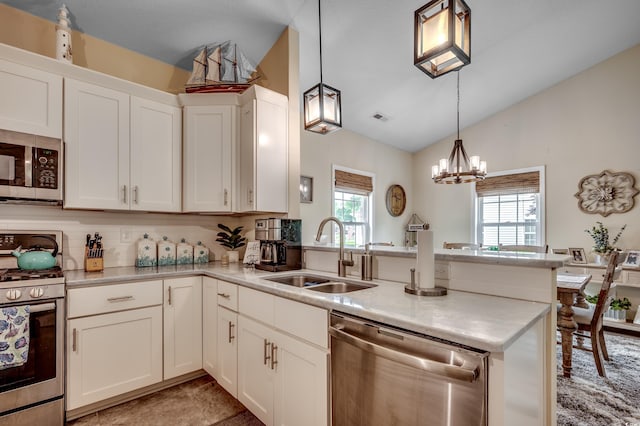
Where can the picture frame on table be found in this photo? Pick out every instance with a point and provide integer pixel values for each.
(578, 255)
(633, 258)
(306, 189)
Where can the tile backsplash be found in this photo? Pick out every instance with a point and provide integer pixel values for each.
(120, 230)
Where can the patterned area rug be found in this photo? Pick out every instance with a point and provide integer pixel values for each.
(586, 399)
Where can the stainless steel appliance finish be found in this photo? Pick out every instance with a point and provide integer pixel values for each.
(280, 244)
(381, 375)
(31, 168)
(33, 393)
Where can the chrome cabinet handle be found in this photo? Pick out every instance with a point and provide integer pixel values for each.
(266, 357)
(250, 196)
(226, 197)
(135, 194)
(119, 299)
(231, 336)
(169, 295)
(124, 194)
(225, 295)
(274, 358)
(74, 345)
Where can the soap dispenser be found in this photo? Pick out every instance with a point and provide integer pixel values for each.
(366, 265)
(200, 253)
(184, 253)
(147, 252)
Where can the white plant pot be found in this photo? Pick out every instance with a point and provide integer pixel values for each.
(234, 256)
(616, 315)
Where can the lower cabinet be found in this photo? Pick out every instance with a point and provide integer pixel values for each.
(114, 353)
(227, 350)
(182, 326)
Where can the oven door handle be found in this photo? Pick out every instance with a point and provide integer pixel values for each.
(42, 307)
(434, 367)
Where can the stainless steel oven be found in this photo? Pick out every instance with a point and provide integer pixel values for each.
(31, 390)
(381, 375)
(30, 168)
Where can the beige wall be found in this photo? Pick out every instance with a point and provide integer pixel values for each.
(348, 149)
(581, 126)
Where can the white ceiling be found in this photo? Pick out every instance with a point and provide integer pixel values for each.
(518, 48)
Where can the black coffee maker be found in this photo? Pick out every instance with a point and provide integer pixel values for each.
(280, 244)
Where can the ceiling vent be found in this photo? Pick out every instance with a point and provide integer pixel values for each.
(380, 117)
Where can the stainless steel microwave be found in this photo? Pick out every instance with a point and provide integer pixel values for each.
(30, 168)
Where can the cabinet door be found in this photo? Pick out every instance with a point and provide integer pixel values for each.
(31, 100)
(210, 325)
(301, 390)
(156, 156)
(255, 369)
(209, 132)
(182, 326)
(96, 128)
(110, 354)
(263, 157)
(227, 351)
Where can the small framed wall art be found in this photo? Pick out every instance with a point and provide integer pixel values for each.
(578, 255)
(306, 189)
(633, 258)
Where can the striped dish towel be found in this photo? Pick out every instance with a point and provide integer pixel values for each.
(14, 336)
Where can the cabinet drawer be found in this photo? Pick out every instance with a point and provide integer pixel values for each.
(228, 295)
(306, 322)
(257, 305)
(115, 297)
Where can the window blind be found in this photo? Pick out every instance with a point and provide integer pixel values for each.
(353, 181)
(519, 183)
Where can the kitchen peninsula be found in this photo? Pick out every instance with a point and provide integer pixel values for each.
(514, 332)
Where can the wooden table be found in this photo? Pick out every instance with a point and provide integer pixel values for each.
(570, 289)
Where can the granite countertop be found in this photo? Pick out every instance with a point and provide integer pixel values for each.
(485, 322)
(535, 260)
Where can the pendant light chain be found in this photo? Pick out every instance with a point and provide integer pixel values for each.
(458, 106)
(320, 33)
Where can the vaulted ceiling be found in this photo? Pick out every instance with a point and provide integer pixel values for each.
(519, 47)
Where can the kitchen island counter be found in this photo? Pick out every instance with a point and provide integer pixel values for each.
(484, 322)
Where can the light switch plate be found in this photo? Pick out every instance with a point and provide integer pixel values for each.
(126, 235)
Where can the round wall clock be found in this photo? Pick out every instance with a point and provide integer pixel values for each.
(396, 200)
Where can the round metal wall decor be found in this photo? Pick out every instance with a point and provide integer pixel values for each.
(606, 193)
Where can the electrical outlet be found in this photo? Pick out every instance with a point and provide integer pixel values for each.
(126, 234)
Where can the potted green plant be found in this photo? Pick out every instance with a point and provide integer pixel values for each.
(601, 247)
(231, 239)
(618, 309)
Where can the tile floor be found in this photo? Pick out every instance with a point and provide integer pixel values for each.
(201, 401)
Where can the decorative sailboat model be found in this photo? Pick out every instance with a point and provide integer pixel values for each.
(220, 68)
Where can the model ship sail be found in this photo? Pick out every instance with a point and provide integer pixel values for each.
(220, 68)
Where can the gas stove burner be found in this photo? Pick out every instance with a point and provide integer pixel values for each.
(17, 274)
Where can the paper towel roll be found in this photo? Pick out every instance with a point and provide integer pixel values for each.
(425, 271)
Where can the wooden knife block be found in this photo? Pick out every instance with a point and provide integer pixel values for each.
(92, 264)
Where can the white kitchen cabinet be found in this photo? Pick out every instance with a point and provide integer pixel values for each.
(182, 326)
(228, 350)
(210, 325)
(263, 172)
(121, 152)
(282, 375)
(31, 100)
(114, 340)
(209, 135)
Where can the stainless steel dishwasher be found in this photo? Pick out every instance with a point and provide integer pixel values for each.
(381, 375)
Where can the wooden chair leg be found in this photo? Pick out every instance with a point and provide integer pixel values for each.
(597, 354)
(603, 345)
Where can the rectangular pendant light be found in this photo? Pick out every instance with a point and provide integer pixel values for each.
(322, 109)
(442, 37)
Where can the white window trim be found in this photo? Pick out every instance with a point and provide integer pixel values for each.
(542, 206)
(335, 167)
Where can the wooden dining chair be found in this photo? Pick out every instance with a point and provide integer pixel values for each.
(526, 248)
(469, 246)
(590, 319)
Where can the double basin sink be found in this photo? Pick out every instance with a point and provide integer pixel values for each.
(321, 284)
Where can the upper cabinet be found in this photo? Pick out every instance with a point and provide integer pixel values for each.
(121, 152)
(236, 152)
(263, 172)
(209, 134)
(31, 100)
